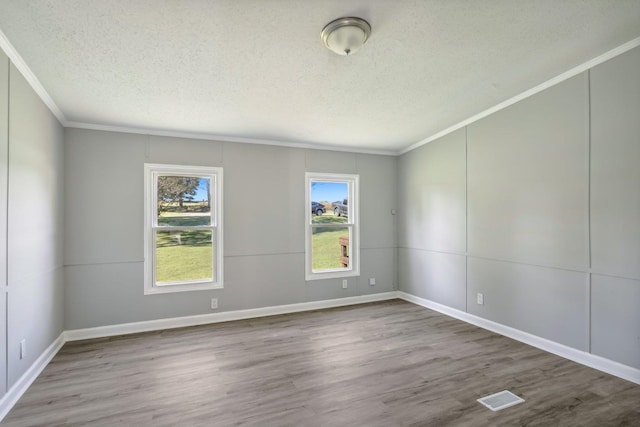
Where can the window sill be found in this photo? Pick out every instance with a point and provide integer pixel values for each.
(331, 275)
(170, 289)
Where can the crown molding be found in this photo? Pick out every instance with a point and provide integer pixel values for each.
(24, 69)
(35, 84)
(226, 138)
(31, 78)
(526, 94)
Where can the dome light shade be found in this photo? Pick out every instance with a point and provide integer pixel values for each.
(345, 36)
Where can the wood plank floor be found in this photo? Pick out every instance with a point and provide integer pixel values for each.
(382, 364)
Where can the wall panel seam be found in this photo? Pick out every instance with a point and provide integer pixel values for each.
(532, 264)
(466, 218)
(6, 228)
(509, 261)
(140, 260)
(411, 248)
(615, 276)
(82, 264)
(588, 208)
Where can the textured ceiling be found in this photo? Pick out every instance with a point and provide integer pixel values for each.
(255, 69)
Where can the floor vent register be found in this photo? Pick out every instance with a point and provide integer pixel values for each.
(498, 401)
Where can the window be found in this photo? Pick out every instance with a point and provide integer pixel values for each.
(183, 228)
(332, 235)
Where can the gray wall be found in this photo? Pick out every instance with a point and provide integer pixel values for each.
(537, 207)
(4, 152)
(527, 201)
(263, 225)
(615, 209)
(31, 225)
(431, 221)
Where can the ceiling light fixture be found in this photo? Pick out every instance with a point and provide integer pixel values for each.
(345, 36)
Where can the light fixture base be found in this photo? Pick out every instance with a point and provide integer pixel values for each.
(345, 36)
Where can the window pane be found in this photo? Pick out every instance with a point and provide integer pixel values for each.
(330, 248)
(329, 202)
(184, 201)
(184, 255)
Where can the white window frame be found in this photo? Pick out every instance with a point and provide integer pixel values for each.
(353, 223)
(151, 173)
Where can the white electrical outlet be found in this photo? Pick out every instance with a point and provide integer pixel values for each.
(344, 283)
(480, 299)
(214, 303)
(372, 281)
(23, 349)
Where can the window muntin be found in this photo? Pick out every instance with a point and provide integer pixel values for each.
(332, 239)
(182, 228)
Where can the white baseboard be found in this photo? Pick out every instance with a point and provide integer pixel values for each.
(20, 387)
(17, 390)
(225, 316)
(584, 358)
(591, 360)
